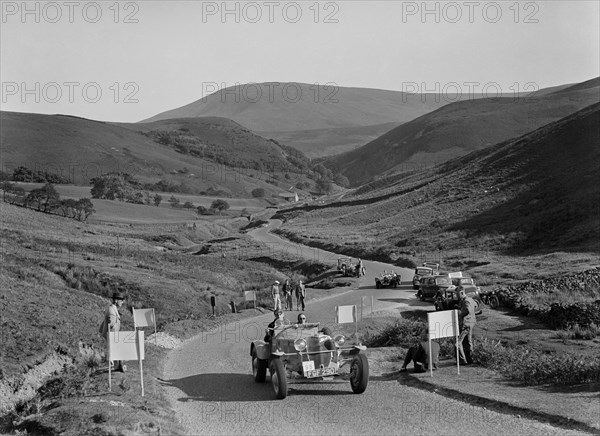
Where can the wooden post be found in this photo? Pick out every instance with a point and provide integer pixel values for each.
(138, 339)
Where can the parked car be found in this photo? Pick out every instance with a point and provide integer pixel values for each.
(448, 299)
(302, 352)
(349, 268)
(430, 286)
(387, 279)
(469, 286)
(420, 272)
(434, 266)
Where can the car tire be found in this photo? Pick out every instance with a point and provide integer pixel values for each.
(259, 368)
(377, 285)
(420, 296)
(438, 306)
(494, 302)
(359, 374)
(278, 379)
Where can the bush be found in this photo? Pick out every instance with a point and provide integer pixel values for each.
(258, 193)
(533, 367)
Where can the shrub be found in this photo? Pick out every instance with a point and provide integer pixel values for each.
(258, 193)
(533, 367)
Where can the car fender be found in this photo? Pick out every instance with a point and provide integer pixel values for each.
(262, 349)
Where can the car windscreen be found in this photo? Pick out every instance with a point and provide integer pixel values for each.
(466, 282)
(443, 281)
(422, 271)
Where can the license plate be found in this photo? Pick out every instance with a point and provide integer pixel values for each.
(321, 372)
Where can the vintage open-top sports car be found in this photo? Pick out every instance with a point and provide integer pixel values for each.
(302, 353)
(386, 279)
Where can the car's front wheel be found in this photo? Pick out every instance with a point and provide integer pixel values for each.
(359, 374)
(421, 296)
(278, 379)
(377, 285)
(259, 368)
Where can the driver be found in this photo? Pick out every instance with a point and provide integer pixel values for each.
(301, 319)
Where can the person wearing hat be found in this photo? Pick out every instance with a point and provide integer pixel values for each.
(420, 354)
(112, 322)
(466, 322)
(280, 320)
(300, 295)
(275, 294)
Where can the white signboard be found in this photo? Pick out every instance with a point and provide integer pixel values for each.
(144, 318)
(345, 314)
(250, 295)
(123, 346)
(443, 324)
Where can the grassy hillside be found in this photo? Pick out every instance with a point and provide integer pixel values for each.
(458, 129)
(305, 107)
(537, 193)
(222, 152)
(318, 143)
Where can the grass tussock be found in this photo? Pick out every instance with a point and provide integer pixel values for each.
(532, 367)
(578, 332)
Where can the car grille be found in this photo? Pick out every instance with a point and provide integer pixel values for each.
(320, 358)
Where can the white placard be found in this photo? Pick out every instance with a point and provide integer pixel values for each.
(443, 324)
(144, 318)
(123, 346)
(454, 275)
(345, 314)
(308, 366)
(250, 295)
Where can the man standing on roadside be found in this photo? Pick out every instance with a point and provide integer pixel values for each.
(301, 295)
(112, 322)
(466, 322)
(275, 295)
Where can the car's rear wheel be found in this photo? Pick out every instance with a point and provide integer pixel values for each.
(494, 303)
(278, 379)
(259, 368)
(359, 374)
(438, 305)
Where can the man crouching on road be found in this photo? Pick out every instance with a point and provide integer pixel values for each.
(466, 323)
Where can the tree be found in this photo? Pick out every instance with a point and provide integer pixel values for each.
(219, 205)
(46, 198)
(258, 192)
(157, 199)
(341, 180)
(188, 205)
(69, 208)
(324, 186)
(85, 208)
(174, 201)
(114, 186)
(201, 210)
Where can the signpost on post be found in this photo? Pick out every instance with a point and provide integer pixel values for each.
(443, 324)
(145, 318)
(250, 296)
(347, 315)
(126, 345)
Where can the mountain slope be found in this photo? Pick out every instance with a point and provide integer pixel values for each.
(221, 153)
(285, 107)
(536, 193)
(458, 129)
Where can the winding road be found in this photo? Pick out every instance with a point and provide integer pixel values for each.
(209, 382)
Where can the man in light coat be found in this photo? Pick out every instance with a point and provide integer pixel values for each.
(466, 322)
(112, 322)
(276, 296)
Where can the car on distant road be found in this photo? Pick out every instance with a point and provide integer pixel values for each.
(420, 272)
(387, 279)
(305, 354)
(429, 286)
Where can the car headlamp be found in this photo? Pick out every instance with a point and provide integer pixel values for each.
(300, 344)
(339, 340)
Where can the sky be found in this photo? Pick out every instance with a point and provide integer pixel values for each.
(127, 61)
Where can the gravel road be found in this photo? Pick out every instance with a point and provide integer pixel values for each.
(209, 384)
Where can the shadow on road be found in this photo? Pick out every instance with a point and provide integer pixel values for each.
(221, 387)
(241, 387)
